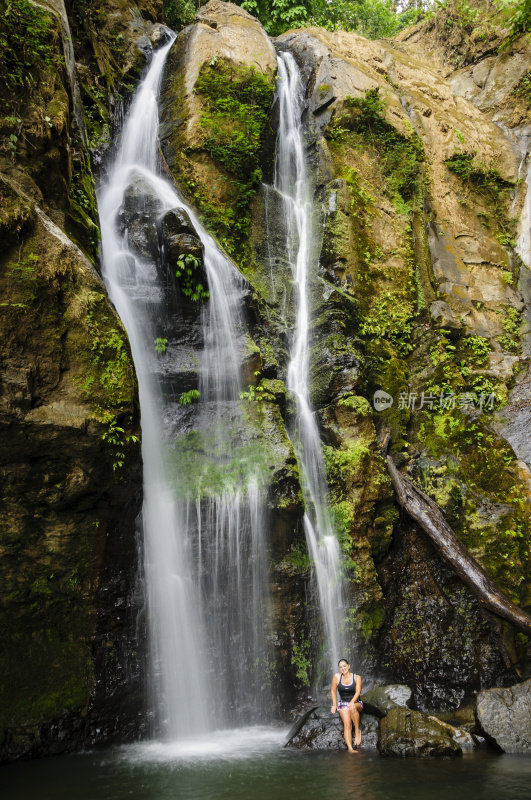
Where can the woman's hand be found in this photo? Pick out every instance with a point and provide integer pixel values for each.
(333, 709)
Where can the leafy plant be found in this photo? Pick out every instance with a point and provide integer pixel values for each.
(187, 398)
(480, 176)
(301, 662)
(178, 12)
(279, 15)
(523, 88)
(161, 345)
(401, 156)
(118, 440)
(186, 273)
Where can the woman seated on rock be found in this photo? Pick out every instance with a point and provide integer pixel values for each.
(348, 686)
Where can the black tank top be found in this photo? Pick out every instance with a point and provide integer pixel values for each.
(346, 692)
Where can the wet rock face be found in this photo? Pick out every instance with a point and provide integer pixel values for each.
(468, 289)
(138, 218)
(318, 729)
(505, 717)
(179, 237)
(69, 666)
(435, 638)
(405, 733)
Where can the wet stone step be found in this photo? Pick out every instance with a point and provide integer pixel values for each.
(178, 369)
(202, 419)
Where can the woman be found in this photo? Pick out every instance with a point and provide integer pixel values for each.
(349, 688)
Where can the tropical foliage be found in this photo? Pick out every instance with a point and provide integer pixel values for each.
(374, 19)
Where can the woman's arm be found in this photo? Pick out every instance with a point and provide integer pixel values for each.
(333, 692)
(357, 678)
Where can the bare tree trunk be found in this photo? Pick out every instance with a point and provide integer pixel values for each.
(429, 516)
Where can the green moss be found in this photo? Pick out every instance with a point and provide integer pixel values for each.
(401, 157)
(201, 465)
(390, 286)
(358, 404)
(107, 379)
(296, 562)
(457, 370)
(478, 469)
(28, 38)
(523, 89)
(344, 468)
(48, 673)
(491, 189)
(482, 177)
(371, 621)
(340, 462)
(235, 118)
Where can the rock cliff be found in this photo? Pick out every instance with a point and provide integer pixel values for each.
(419, 152)
(69, 419)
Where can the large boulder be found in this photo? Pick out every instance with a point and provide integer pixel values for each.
(137, 218)
(318, 729)
(406, 733)
(505, 717)
(179, 236)
(384, 698)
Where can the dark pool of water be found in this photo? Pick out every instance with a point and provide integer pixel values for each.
(251, 765)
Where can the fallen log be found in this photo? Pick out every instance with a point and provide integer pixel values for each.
(430, 517)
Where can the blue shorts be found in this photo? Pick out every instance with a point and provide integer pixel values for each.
(344, 704)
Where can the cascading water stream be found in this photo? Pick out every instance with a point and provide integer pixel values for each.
(205, 560)
(292, 183)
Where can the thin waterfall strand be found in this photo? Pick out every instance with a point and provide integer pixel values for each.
(291, 181)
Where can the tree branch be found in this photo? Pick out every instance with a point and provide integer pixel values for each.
(429, 516)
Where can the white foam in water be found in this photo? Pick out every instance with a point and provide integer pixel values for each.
(231, 744)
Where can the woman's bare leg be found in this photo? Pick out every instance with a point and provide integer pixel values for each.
(355, 718)
(347, 727)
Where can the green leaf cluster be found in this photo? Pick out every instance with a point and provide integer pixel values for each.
(161, 345)
(372, 18)
(187, 398)
(178, 13)
(479, 176)
(108, 381)
(300, 660)
(187, 275)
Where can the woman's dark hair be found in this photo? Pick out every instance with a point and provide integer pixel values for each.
(345, 660)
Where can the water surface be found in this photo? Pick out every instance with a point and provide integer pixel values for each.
(250, 764)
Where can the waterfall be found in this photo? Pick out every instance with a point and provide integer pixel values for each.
(293, 185)
(203, 516)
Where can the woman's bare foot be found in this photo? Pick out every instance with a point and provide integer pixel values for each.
(357, 739)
